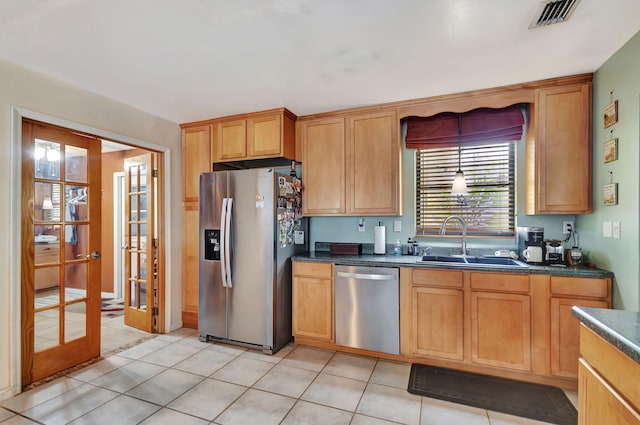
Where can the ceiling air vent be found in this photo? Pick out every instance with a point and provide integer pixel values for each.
(553, 12)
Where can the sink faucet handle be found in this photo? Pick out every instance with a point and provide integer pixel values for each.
(425, 250)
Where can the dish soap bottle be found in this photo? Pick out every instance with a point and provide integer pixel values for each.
(397, 249)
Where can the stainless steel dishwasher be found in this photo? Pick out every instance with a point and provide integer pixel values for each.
(367, 308)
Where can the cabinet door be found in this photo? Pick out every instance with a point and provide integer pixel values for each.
(230, 140)
(323, 158)
(312, 307)
(501, 330)
(190, 264)
(565, 334)
(599, 403)
(373, 163)
(562, 151)
(436, 322)
(196, 147)
(264, 136)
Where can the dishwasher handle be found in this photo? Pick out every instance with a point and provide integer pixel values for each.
(366, 276)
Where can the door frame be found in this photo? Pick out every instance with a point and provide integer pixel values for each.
(17, 114)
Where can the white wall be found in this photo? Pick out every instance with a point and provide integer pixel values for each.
(38, 95)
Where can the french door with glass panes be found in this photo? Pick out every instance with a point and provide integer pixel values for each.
(60, 275)
(141, 250)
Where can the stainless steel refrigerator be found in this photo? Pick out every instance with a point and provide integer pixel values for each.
(250, 225)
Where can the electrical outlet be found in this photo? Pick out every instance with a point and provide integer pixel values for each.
(397, 226)
(361, 227)
(567, 227)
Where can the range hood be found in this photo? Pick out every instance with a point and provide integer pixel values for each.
(252, 163)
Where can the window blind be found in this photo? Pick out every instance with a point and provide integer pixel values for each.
(490, 173)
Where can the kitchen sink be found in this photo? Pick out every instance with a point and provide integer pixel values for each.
(441, 259)
(471, 261)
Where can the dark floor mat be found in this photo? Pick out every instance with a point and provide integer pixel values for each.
(534, 401)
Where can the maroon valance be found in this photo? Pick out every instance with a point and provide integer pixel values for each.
(479, 126)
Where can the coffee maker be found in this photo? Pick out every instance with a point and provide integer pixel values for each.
(554, 252)
(534, 246)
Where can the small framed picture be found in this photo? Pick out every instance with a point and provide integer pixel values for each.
(610, 192)
(611, 114)
(611, 150)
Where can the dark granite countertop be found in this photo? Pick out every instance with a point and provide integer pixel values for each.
(621, 328)
(410, 261)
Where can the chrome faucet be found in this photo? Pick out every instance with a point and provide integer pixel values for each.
(443, 230)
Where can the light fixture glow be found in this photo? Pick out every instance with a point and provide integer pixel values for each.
(46, 203)
(39, 153)
(53, 155)
(459, 187)
(459, 184)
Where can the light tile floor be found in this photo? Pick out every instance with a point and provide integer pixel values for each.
(176, 379)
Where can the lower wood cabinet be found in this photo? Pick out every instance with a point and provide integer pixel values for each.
(312, 300)
(501, 320)
(501, 330)
(608, 387)
(513, 325)
(190, 265)
(428, 297)
(565, 330)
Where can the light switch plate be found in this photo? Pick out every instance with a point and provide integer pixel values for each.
(606, 229)
(397, 226)
(615, 229)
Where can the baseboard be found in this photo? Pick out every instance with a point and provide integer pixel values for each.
(8, 393)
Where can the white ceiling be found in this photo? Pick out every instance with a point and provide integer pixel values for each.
(187, 60)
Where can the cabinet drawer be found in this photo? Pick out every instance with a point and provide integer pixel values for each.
(313, 269)
(48, 253)
(580, 287)
(451, 279)
(500, 282)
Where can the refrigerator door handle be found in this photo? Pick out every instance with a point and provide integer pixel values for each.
(227, 251)
(223, 248)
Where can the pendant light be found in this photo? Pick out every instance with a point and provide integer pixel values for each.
(459, 188)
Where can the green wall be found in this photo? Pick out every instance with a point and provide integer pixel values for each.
(620, 74)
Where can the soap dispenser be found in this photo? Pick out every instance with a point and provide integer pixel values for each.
(397, 248)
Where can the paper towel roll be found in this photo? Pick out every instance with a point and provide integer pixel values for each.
(379, 244)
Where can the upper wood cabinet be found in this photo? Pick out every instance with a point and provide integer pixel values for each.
(323, 171)
(373, 164)
(260, 135)
(196, 143)
(351, 165)
(559, 158)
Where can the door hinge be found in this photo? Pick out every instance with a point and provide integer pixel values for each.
(154, 173)
(155, 243)
(155, 311)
